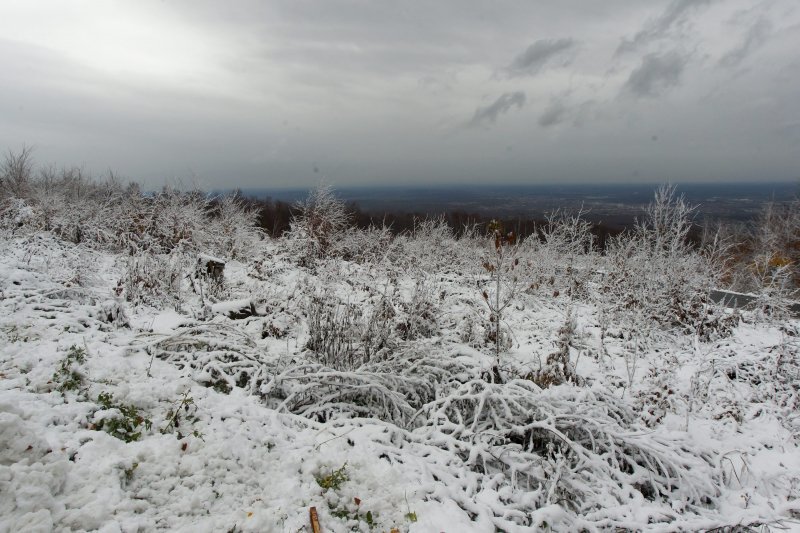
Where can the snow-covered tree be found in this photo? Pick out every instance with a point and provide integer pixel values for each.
(321, 219)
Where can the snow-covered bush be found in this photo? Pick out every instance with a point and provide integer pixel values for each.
(320, 221)
(421, 312)
(235, 232)
(86, 211)
(16, 213)
(109, 214)
(333, 331)
(559, 367)
(156, 279)
(344, 335)
(571, 446)
(432, 247)
(561, 257)
(16, 172)
(113, 311)
(218, 355)
(653, 271)
(180, 219)
(392, 389)
(372, 245)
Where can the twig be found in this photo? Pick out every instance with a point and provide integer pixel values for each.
(312, 515)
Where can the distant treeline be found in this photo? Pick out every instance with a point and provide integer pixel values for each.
(275, 217)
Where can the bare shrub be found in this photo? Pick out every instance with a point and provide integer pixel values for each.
(345, 336)
(776, 248)
(655, 272)
(371, 245)
(772, 267)
(392, 389)
(501, 262)
(421, 312)
(218, 355)
(333, 332)
(156, 279)
(179, 219)
(16, 172)
(571, 446)
(563, 256)
(320, 221)
(431, 247)
(235, 228)
(559, 368)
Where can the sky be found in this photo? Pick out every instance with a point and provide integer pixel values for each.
(285, 93)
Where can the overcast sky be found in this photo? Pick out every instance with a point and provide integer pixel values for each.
(282, 93)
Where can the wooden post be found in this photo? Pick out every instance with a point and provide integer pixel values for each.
(312, 514)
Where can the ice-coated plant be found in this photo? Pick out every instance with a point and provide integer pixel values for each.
(500, 262)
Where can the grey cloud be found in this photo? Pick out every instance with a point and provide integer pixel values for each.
(656, 74)
(555, 113)
(676, 13)
(536, 56)
(488, 114)
(256, 95)
(756, 36)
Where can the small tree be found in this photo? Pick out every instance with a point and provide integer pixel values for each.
(566, 240)
(775, 262)
(500, 262)
(655, 281)
(16, 172)
(236, 227)
(321, 219)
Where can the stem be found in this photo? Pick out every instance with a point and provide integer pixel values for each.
(497, 313)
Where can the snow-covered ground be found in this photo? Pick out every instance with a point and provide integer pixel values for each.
(121, 417)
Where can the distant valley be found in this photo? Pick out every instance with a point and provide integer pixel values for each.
(613, 205)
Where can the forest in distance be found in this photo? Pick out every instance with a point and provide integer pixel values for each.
(609, 208)
(613, 205)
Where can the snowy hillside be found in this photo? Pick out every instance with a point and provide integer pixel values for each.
(395, 383)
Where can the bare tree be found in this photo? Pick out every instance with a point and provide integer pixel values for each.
(15, 173)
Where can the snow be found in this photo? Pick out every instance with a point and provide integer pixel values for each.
(206, 258)
(426, 442)
(168, 321)
(222, 308)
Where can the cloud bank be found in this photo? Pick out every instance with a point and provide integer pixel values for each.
(260, 93)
